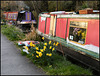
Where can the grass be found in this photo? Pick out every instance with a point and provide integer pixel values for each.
(60, 65)
(66, 68)
(23, 53)
(12, 33)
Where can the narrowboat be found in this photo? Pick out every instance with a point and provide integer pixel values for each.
(10, 17)
(22, 19)
(78, 35)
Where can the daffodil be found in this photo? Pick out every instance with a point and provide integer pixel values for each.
(37, 48)
(57, 43)
(53, 49)
(41, 50)
(32, 54)
(37, 56)
(40, 54)
(43, 38)
(26, 48)
(50, 54)
(37, 52)
(49, 42)
(44, 47)
(31, 43)
(54, 44)
(45, 44)
(47, 54)
(50, 47)
(79, 32)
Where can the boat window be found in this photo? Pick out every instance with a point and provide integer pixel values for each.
(77, 31)
(11, 16)
(8, 16)
(14, 16)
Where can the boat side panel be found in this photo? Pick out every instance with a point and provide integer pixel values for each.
(93, 33)
(61, 27)
(47, 25)
(41, 26)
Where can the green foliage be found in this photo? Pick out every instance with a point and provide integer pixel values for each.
(52, 5)
(84, 6)
(23, 53)
(38, 38)
(63, 67)
(12, 32)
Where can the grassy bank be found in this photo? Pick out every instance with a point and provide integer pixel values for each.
(12, 32)
(59, 66)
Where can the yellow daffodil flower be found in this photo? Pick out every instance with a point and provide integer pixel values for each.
(37, 48)
(50, 54)
(40, 54)
(32, 54)
(83, 35)
(44, 47)
(53, 49)
(41, 50)
(50, 47)
(45, 44)
(57, 42)
(37, 56)
(31, 43)
(54, 44)
(47, 54)
(43, 38)
(49, 42)
(37, 52)
(79, 32)
(26, 48)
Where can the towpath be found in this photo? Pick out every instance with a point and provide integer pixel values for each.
(13, 63)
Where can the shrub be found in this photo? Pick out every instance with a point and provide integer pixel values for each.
(32, 35)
